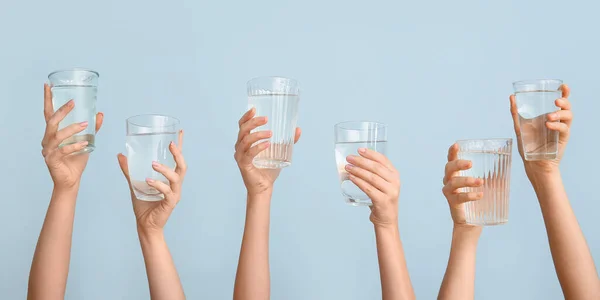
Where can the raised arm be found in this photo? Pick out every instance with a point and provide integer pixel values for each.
(459, 280)
(375, 175)
(50, 265)
(252, 281)
(151, 217)
(572, 258)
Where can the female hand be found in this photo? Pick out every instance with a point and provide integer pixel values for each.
(564, 115)
(257, 180)
(452, 184)
(153, 215)
(65, 169)
(375, 175)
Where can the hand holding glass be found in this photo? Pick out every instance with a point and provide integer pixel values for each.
(79, 85)
(148, 140)
(535, 100)
(349, 136)
(491, 161)
(277, 99)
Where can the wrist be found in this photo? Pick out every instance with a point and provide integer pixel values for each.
(541, 180)
(149, 234)
(538, 176)
(389, 226)
(468, 233)
(260, 197)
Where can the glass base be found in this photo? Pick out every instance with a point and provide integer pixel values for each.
(488, 223)
(144, 192)
(271, 163)
(357, 202)
(540, 156)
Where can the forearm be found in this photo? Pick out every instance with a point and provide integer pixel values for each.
(50, 265)
(252, 280)
(162, 275)
(459, 280)
(572, 258)
(395, 281)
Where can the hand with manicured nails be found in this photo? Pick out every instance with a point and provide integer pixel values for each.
(375, 175)
(257, 181)
(65, 169)
(453, 182)
(564, 116)
(153, 215)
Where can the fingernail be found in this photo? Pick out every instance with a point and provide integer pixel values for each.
(71, 103)
(350, 158)
(266, 145)
(83, 124)
(362, 150)
(83, 143)
(270, 133)
(149, 180)
(349, 167)
(171, 144)
(155, 164)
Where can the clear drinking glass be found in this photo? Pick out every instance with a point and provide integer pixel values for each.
(491, 161)
(349, 136)
(81, 86)
(148, 139)
(277, 99)
(535, 100)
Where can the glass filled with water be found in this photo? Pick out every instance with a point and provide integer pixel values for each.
(491, 161)
(535, 100)
(349, 136)
(148, 139)
(277, 99)
(81, 86)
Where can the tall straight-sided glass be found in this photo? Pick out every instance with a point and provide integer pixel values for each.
(535, 100)
(81, 86)
(148, 139)
(277, 99)
(349, 136)
(491, 161)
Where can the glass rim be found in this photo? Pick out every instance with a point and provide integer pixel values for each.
(74, 69)
(272, 77)
(534, 81)
(484, 140)
(340, 125)
(175, 120)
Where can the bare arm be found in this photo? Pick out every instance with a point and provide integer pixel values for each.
(395, 281)
(162, 276)
(375, 175)
(50, 266)
(572, 258)
(459, 280)
(252, 279)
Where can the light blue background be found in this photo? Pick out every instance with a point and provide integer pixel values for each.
(434, 71)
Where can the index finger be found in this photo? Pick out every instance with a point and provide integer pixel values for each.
(452, 167)
(48, 109)
(566, 91)
(247, 116)
(453, 152)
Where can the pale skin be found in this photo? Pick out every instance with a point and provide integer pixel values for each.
(50, 265)
(375, 175)
(252, 281)
(459, 280)
(151, 217)
(572, 258)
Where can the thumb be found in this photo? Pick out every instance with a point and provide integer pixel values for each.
(123, 164)
(298, 134)
(99, 120)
